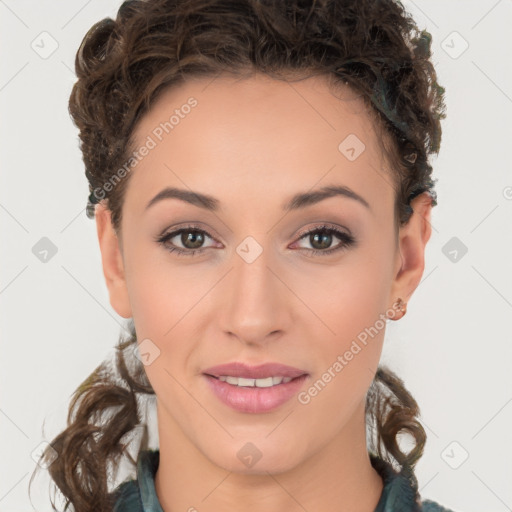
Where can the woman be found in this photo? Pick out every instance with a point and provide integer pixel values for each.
(260, 181)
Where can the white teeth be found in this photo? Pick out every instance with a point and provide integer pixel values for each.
(259, 383)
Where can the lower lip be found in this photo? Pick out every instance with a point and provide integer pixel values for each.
(254, 399)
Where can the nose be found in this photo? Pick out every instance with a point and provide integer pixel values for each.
(255, 306)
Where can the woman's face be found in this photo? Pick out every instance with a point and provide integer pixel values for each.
(255, 292)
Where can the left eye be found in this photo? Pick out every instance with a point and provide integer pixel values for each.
(192, 239)
(324, 236)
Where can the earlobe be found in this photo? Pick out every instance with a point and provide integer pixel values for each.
(413, 238)
(112, 262)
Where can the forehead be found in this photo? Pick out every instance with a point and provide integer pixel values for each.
(265, 135)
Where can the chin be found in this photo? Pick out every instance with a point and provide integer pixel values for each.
(257, 457)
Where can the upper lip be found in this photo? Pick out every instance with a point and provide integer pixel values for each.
(262, 371)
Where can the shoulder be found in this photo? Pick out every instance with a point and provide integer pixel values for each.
(126, 497)
(400, 491)
(139, 494)
(432, 506)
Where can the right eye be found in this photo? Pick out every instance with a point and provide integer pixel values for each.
(190, 237)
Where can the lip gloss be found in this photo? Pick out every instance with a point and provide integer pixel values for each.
(254, 399)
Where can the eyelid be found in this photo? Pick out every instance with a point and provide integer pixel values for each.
(343, 234)
(169, 233)
(323, 225)
(197, 227)
(192, 226)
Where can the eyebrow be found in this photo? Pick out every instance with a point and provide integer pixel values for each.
(300, 200)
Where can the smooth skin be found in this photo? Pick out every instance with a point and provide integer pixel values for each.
(252, 144)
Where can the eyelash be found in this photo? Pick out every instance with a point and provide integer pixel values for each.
(347, 240)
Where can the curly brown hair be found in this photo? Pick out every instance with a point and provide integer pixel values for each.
(123, 65)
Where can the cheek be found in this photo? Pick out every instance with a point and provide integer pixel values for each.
(350, 302)
(167, 310)
(350, 296)
(156, 289)
(349, 351)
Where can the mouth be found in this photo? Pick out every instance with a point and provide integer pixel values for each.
(254, 383)
(255, 389)
(262, 372)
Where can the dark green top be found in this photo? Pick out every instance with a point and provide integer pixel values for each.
(398, 495)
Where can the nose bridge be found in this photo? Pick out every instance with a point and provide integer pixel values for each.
(255, 306)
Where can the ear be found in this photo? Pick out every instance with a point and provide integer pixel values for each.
(413, 238)
(112, 262)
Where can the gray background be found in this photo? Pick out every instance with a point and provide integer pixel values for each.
(453, 348)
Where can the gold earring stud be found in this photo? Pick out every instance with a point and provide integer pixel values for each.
(401, 306)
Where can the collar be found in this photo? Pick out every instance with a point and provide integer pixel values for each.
(399, 494)
(146, 470)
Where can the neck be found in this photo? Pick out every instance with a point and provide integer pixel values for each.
(339, 477)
